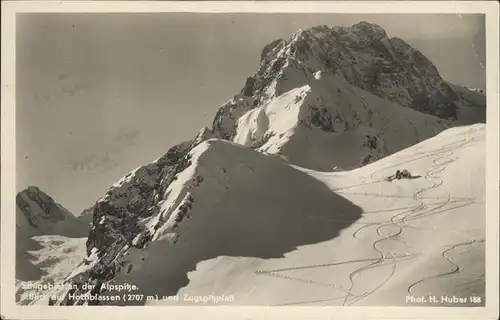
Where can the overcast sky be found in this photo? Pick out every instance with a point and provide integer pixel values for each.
(101, 94)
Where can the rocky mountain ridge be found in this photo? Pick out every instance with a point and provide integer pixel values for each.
(39, 214)
(367, 58)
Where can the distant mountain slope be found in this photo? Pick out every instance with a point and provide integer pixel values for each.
(38, 214)
(38, 220)
(471, 105)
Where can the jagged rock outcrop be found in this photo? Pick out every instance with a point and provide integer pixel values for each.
(40, 214)
(387, 67)
(38, 208)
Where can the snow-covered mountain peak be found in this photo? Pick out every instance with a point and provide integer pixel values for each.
(365, 56)
(39, 214)
(362, 30)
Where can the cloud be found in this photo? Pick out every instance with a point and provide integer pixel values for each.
(63, 76)
(127, 136)
(93, 163)
(105, 158)
(73, 89)
(69, 86)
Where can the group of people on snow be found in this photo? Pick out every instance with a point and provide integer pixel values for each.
(401, 174)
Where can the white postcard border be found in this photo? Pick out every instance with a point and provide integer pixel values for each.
(12, 311)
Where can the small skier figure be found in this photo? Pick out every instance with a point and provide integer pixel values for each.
(401, 174)
(398, 175)
(405, 174)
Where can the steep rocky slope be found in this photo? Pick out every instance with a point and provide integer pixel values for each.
(38, 214)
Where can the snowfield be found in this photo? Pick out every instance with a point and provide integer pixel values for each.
(267, 233)
(54, 258)
(332, 123)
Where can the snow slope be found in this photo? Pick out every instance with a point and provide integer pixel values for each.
(267, 233)
(54, 257)
(414, 237)
(329, 123)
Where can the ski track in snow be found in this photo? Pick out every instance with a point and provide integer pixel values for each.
(456, 266)
(399, 221)
(410, 214)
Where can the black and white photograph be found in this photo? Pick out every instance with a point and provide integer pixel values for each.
(264, 159)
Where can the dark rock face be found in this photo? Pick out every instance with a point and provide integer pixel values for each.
(172, 156)
(224, 122)
(48, 210)
(322, 119)
(88, 211)
(116, 216)
(136, 196)
(249, 87)
(370, 142)
(262, 141)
